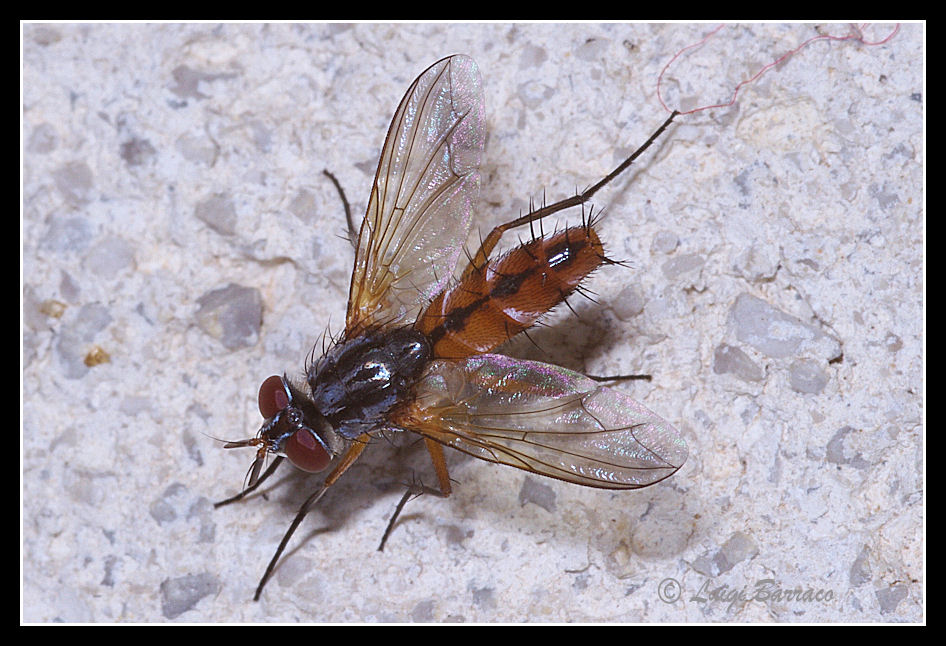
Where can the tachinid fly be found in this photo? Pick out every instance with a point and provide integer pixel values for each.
(414, 354)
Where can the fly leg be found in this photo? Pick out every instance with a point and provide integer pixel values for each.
(620, 378)
(497, 298)
(479, 259)
(416, 489)
(346, 461)
(253, 486)
(352, 232)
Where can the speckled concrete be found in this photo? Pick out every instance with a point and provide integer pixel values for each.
(173, 197)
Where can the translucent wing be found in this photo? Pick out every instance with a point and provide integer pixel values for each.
(422, 200)
(544, 419)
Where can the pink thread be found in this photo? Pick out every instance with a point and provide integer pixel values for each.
(856, 34)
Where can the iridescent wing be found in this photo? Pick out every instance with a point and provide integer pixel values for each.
(422, 199)
(543, 419)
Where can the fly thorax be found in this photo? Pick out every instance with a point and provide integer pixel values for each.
(358, 381)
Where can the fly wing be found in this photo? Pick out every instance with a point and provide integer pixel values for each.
(422, 199)
(544, 419)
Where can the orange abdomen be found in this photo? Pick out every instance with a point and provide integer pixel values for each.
(493, 303)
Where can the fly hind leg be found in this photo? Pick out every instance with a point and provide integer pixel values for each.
(496, 298)
(600, 379)
(479, 259)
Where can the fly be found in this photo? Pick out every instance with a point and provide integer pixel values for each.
(415, 354)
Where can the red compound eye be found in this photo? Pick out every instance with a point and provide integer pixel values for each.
(305, 452)
(272, 396)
